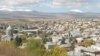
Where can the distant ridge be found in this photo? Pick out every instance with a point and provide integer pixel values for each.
(45, 15)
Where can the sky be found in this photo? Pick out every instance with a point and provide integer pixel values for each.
(51, 5)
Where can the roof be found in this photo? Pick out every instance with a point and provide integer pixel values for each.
(31, 30)
(65, 45)
(49, 43)
(72, 53)
(91, 50)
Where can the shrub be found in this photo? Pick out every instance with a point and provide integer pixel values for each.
(35, 47)
(87, 43)
(9, 49)
(56, 51)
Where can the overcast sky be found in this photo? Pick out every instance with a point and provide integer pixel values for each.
(51, 5)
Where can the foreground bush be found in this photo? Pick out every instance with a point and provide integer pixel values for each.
(9, 49)
(56, 51)
(35, 48)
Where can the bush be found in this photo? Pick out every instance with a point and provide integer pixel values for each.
(56, 51)
(35, 47)
(87, 43)
(9, 49)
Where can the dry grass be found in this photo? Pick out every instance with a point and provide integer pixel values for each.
(9, 49)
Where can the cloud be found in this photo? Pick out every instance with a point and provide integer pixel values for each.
(76, 10)
(19, 4)
(13, 9)
(88, 5)
(11, 3)
(58, 3)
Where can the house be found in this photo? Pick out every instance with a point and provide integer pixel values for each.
(49, 45)
(65, 46)
(72, 53)
(91, 51)
(75, 32)
(9, 34)
(79, 39)
(56, 39)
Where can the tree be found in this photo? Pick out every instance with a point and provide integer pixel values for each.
(72, 40)
(63, 40)
(44, 40)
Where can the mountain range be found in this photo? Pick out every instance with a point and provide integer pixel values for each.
(45, 15)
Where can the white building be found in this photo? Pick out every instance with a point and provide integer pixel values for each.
(49, 45)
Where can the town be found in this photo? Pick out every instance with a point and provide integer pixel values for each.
(66, 37)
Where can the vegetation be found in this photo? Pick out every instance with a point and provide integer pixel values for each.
(56, 51)
(87, 43)
(34, 48)
(45, 39)
(9, 49)
(63, 40)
